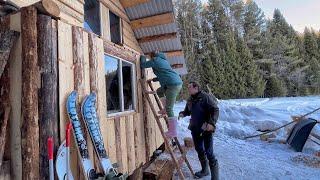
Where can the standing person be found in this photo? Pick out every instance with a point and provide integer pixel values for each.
(204, 114)
(170, 86)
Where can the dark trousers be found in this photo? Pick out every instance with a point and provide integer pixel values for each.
(204, 146)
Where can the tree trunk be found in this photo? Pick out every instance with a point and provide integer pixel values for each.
(30, 84)
(48, 114)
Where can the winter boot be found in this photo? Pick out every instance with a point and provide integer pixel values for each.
(172, 128)
(205, 169)
(214, 168)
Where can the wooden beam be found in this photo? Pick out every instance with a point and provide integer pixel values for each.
(153, 21)
(158, 37)
(7, 39)
(30, 80)
(48, 107)
(48, 7)
(131, 3)
(174, 53)
(170, 53)
(120, 51)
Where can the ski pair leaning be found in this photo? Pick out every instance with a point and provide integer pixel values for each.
(90, 118)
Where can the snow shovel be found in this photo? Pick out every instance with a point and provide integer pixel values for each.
(300, 133)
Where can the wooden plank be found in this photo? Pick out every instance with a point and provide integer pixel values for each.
(48, 112)
(86, 90)
(69, 11)
(66, 84)
(105, 22)
(74, 5)
(130, 143)
(123, 135)
(69, 19)
(15, 99)
(158, 37)
(119, 142)
(93, 63)
(30, 85)
(113, 7)
(130, 3)
(110, 136)
(153, 21)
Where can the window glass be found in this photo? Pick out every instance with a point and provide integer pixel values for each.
(91, 16)
(112, 84)
(115, 28)
(127, 85)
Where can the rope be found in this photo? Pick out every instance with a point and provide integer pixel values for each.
(295, 120)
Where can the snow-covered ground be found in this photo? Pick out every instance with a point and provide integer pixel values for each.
(253, 158)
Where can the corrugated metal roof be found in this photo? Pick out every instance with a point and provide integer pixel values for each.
(163, 45)
(176, 60)
(155, 30)
(151, 8)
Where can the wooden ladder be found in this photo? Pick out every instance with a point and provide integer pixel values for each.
(177, 161)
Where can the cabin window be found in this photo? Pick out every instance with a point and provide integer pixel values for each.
(115, 28)
(92, 17)
(120, 85)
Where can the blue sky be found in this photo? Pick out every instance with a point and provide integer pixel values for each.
(298, 13)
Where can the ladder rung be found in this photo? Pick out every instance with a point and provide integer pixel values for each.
(151, 92)
(182, 159)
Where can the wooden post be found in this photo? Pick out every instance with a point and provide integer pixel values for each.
(30, 84)
(93, 62)
(7, 38)
(4, 117)
(48, 113)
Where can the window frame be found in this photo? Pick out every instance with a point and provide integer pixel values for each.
(133, 85)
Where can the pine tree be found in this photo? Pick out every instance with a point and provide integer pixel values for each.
(254, 23)
(188, 12)
(312, 57)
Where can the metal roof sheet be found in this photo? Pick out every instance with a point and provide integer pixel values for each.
(150, 8)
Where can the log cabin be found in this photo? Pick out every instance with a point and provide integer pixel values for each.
(87, 46)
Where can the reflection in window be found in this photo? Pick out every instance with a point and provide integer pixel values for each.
(115, 28)
(127, 85)
(112, 84)
(120, 85)
(91, 16)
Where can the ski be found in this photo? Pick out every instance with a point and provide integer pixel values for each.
(90, 118)
(87, 166)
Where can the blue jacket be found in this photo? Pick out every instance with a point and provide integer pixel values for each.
(203, 108)
(162, 69)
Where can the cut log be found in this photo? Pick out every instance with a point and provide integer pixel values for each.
(48, 113)
(7, 39)
(48, 7)
(159, 169)
(4, 118)
(30, 84)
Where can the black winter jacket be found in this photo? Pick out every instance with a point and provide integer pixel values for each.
(203, 108)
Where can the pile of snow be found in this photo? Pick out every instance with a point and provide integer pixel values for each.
(253, 158)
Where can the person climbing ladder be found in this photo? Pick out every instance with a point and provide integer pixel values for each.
(170, 86)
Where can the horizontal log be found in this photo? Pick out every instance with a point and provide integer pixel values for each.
(158, 37)
(48, 7)
(153, 21)
(131, 3)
